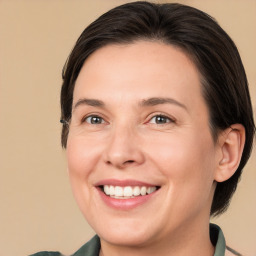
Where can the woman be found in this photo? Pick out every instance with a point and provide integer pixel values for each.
(157, 125)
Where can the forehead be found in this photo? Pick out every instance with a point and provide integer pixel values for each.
(141, 69)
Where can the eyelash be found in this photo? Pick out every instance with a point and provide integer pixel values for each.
(102, 121)
(167, 119)
(93, 116)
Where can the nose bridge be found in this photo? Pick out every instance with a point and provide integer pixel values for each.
(123, 148)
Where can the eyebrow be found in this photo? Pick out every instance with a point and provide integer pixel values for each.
(144, 103)
(158, 101)
(89, 102)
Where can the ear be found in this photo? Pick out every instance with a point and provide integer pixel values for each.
(231, 144)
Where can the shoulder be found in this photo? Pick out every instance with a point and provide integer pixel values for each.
(218, 240)
(91, 248)
(47, 254)
(231, 252)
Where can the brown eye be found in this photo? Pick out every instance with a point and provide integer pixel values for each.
(94, 120)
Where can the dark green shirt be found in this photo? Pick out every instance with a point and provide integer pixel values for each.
(92, 248)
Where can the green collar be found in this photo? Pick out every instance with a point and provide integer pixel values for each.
(218, 240)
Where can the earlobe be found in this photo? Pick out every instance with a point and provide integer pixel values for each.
(231, 144)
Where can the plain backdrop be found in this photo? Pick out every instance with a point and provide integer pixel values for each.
(37, 210)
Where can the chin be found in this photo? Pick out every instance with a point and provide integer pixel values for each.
(130, 239)
(126, 234)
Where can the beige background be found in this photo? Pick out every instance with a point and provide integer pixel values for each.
(37, 210)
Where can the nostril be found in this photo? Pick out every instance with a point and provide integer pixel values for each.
(129, 162)
(122, 164)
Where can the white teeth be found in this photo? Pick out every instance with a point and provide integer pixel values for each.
(111, 190)
(107, 190)
(136, 191)
(119, 191)
(128, 191)
(151, 190)
(143, 191)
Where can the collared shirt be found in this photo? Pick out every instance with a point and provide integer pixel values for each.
(92, 248)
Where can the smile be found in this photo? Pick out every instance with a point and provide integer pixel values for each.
(127, 192)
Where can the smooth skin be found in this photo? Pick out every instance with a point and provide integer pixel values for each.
(116, 135)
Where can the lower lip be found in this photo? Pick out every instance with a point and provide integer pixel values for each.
(125, 204)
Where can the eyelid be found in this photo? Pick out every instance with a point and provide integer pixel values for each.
(102, 121)
(150, 117)
(172, 119)
(83, 119)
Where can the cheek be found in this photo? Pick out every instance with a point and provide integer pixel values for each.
(76, 168)
(82, 156)
(185, 160)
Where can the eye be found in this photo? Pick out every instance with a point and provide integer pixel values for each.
(93, 119)
(160, 119)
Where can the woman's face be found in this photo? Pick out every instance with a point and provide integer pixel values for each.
(140, 132)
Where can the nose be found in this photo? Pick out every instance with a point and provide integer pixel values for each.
(123, 149)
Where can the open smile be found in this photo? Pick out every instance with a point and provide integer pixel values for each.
(125, 195)
(127, 192)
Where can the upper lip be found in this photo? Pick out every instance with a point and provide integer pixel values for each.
(123, 183)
